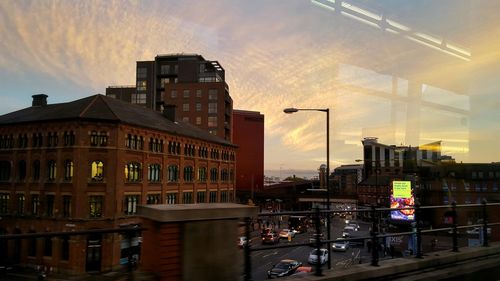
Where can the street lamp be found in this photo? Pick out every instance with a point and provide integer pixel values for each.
(327, 110)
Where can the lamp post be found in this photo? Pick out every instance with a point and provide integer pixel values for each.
(327, 111)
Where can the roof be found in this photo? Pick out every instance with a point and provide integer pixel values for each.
(103, 108)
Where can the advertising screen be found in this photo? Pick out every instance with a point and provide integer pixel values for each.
(402, 197)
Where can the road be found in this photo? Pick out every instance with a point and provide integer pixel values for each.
(263, 260)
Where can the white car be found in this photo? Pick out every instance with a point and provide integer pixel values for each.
(347, 232)
(340, 245)
(354, 225)
(313, 256)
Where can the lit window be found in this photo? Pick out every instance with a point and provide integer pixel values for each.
(133, 172)
(198, 120)
(141, 85)
(97, 169)
(51, 170)
(212, 121)
(130, 202)
(35, 204)
(68, 170)
(95, 206)
(164, 81)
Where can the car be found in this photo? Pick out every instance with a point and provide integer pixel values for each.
(283, 268)
(242, 241)
(285, 233)
(347, 232)
(271, 238)
(312, 238)
(354, 225)
(340, 245)
(265, 232)
(313, 256)
(477, 230)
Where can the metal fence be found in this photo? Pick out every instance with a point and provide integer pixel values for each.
(374, 235)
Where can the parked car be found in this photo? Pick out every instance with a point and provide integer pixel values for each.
(271, 238)
(242, 241)
(477, 230)
(313, 256)
(340, 245)
(347, 232)
(283, 268)
(284, 233)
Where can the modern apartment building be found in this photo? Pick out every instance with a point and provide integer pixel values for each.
(88, 164)
(196, 87)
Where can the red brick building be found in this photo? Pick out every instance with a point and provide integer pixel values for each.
(248, 134)
(88, 164)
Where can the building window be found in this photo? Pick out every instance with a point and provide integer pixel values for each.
(223, 196)
(21, 170)
(173, 173)
(176, 69)
(202, 174)
(154, 172)
(35, 204)
(22, 141)
(185, 107)
(212, 121)
(188, 174)
(153, 199)
(68, 170)
(142, 72)
(97, 171)
(213, 175)
(134, 142)
(65, 248)
(198, 120)
(49, 205)
(131, 202)
(51, 170)
(200, 197)
(224, 175)
(212, 94)
(138, 98)
(165, 69)
(36, 170)
(187, 197)
(171, 198)
(213, 197)
(212, 107)
(32, 246)
(47, 246)
(69, 138)
(66, 206)
(198, 93)
(198, 106)
(133, 172)
(185, 119)
(37, 140)
(21, 200)
(141, 86)
(52, 139)
(185, 94)
(95, 206)
(4, 170)
(4, 203)
(93, 138)
(155, 145)
(164, 81)
(173, 94)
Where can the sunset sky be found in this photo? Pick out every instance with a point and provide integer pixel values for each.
(407, 72)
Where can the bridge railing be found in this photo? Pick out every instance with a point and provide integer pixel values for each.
(375, 235)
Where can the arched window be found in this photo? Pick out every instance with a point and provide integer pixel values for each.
(51, 170)
(173, 173)
(97, 171)
(133, 171)
(4, 170)
(188, 174)
(36, 170)
(213, 175)
(68, 170)
(94, 140)
(154, 172)
(21, 170)
(224, 175)
(202, 174)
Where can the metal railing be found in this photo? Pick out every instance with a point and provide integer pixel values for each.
(374, 234)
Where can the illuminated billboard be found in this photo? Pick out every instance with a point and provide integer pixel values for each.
(402, 197)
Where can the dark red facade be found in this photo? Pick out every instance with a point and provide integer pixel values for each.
(248, 135)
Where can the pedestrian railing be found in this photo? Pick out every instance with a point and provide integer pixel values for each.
(375, 234)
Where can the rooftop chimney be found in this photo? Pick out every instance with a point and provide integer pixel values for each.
(39, 100)
(169, 111)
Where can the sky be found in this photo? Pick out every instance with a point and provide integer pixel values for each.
(408, 73)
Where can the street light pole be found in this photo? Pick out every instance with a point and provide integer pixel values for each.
(327, 110)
